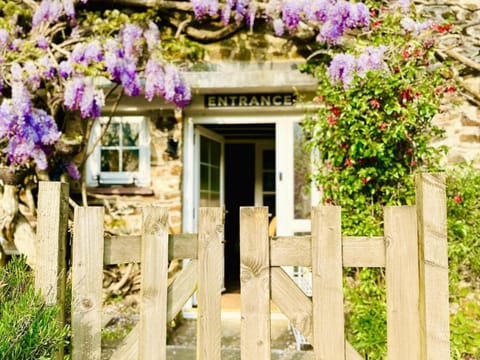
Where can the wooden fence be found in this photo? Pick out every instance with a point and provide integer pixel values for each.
(413, 251)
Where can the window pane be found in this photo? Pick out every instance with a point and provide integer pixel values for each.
(215, 153)
(302, 198)
(131, 132)
(111, 137)
(109, 160)
(204, 149)
(215, 179)
(268, 181)
(269, 159)
(204, 177)
(131, 160)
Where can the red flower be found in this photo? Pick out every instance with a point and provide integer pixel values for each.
(458, 198)
(383, 126)
(406, 95)
(328, 201)
(365, 180)
(331, 120)
(335, 111)
(376, 24)
(374, 103)
(451, 89)
(442, 28)
(349, 162)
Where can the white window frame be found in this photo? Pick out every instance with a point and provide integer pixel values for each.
(140, 178)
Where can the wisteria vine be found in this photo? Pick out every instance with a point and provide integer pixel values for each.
(32, 61)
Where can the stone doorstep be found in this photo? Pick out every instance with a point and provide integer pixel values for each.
(189, 353)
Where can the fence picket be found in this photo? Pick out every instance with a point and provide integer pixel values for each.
(401, 272)
(210, 283)
(432, 230)
(153, 309)
(327, 284)
(87, 280)
(50, 268)
(255, 283)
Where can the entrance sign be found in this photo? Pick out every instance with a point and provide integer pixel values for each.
(249, 100)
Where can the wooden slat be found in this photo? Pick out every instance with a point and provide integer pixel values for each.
(327, 283)
(153, 310)
(178, 293)
(292, 301)
(297, 307)
(87, 277)
(363, 251)
(432, 230)
(290, 251)
(50, 268)
(127, 248)
(255, 283)
(181, 289)
(403, 321)
(357, 251)
(210, 283)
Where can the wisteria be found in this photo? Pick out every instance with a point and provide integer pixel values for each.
(332, 18)
(343, 67)
(131, 55)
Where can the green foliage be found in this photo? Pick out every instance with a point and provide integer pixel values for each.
(366, 315)
(372, 136)
(463, 187)
(28, 328)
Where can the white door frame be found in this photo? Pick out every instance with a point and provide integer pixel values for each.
(284, 125)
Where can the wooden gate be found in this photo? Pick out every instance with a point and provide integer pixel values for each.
(413, 251)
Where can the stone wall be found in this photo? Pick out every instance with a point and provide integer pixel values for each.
(462, 121)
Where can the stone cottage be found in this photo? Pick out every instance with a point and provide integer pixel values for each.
(238, 142)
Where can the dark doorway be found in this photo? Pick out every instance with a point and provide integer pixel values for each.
(239, 191)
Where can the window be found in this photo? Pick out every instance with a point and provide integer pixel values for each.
(122, 156)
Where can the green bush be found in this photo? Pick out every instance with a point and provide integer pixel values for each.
(28, 328)
(463, 202)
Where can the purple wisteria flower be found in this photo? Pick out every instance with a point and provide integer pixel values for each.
(278, 26)
(371, 59)
(82, 96)
(42, 42)
(403, 5)
(291, 14)
(130, 35)
(342, 69)
(48, 11)
(65, 69)
(152, 36)
(72, 170)
(204, 7)
(317, 10)
(154, 79)
(3, 38)
(48, 70)
(69, 8)
(175, 89)
(415, 27)
(32, 75)
(29, 134)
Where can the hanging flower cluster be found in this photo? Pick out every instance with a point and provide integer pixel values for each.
(331, 18)
(64, 71)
